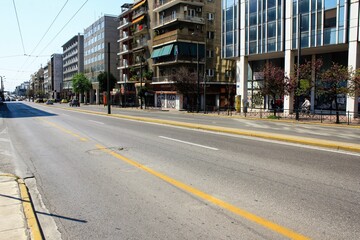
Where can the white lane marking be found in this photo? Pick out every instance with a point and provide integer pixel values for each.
(65, 115)
(96, 122)
(189, 143)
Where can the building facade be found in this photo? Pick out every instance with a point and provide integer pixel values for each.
(255, 32)
(157, 38)
(96, 38)
(73, 62)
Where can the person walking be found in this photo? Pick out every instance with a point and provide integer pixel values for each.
(305, 107)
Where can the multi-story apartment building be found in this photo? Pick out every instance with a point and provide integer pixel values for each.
(56, 74)
(96, 38)
(47, 80)
(37, 83)
(259, 31)
(159, 37)
(73, 62)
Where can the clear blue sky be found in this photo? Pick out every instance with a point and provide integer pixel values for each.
(35, 17)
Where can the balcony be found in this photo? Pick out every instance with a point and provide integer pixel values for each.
(177, 35)
(171, 59)
(140, 44)
(124, 64)
(178, 17)
(140, 29)
(161, 5)
(125, 22)
(125, 49)
(161, 79)
(125, 36)
(139, 12)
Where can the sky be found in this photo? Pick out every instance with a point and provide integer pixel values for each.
(24, 51)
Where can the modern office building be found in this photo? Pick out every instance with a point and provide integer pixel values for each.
(73, 62)
(96, 38)
(157, 38)
(258, 31)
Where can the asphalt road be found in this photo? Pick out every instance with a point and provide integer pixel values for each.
(321, 131)
(107, 178)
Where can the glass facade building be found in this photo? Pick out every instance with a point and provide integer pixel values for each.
(230, 28)
(255, 32)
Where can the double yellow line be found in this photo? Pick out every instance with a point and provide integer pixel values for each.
(202, 195)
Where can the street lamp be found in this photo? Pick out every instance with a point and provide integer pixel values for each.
(298, 61)
(140, 91)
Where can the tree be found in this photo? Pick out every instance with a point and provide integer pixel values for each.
(275, 83)
(102, 79)
(337, 80)
(80, 83)
(306, 83)
(185, 83)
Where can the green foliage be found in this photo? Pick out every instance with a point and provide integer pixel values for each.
(102, 79)
(305, 71)
(148, 75)
(80, 83)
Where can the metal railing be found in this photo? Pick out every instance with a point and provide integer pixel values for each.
(319, 115)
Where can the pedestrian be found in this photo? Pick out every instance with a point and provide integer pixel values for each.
(305, 107)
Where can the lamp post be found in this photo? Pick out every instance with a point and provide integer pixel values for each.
(198, 79)
(2, 87)
(298, 62)
(108, 81)
(140, 91)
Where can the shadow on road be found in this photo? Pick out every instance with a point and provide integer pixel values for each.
(21, 110)
(62, 217)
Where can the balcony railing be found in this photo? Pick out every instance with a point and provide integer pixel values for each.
(160, 5)
(124, 22)
(179, 17)
(172, 59)
(176, 35)
(140, 43)
(139, 12)
(162, 79)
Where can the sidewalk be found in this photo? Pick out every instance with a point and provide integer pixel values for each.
(17, 217)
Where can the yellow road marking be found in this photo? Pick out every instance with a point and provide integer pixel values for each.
(65, 130)
(29, 211)
(238, 211)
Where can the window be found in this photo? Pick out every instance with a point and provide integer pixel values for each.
(210, 35)
(210, 53)
(210, 72)
(210, 16)
(330, 18)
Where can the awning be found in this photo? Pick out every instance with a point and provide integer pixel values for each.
(166, 50)
(138, 5)
(138, 19)
(156, 53)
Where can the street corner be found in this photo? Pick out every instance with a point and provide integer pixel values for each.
(17, 215)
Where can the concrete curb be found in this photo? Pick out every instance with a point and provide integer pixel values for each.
(270, 136)
(28, 208)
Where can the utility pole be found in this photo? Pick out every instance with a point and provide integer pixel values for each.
(298, 64)
(141, 96)
(108, 80)
(198, 80)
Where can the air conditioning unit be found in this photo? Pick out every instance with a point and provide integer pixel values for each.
(185, 8)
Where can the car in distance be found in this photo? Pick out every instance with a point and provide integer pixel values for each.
(74, 103)
(64, 100)
(49, 102)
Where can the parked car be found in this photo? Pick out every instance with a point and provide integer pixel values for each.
(49, 102)
(64, 100)
(74, 103)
